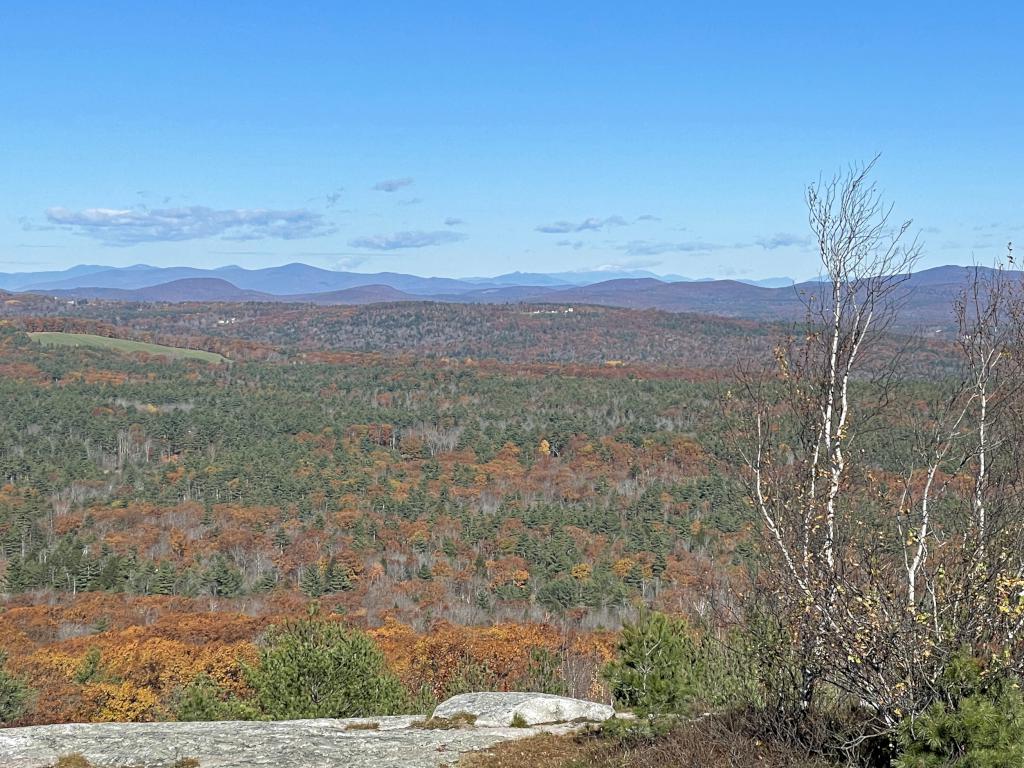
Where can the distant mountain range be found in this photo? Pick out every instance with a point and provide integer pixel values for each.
(557, 279)
(303, 279)
(926, 296)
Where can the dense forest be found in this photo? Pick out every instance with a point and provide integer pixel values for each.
(423, 486)
(678, 344)
(497, 496)
(397, 486)
(397, 490)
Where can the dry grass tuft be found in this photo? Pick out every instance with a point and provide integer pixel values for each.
(72, 761)
(544, 751)
(368, 726)
(446, 723)
(78, 761)
(708, 743)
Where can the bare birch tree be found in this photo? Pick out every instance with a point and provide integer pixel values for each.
(883, 575)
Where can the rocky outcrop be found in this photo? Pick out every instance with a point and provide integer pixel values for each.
(383, 742)
(503, 710)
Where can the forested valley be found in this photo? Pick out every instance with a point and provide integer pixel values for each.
(199, 499)
(396, 491)
(402, 491)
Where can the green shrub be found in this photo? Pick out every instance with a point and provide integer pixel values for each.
(199, 701)
(89, 668)
(14, 694)
(203, 700)
(978, 724)
(631, 733)
(316, 668)
(665, 667)
(649, 674)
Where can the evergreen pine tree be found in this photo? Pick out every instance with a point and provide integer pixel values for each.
(281, 540)
(144, 578)
(88, 573)
(660, 563)
(337, 578)
(14, 694)
(266, 582)
(15, 577)
(165, 579)
(980, 724)
(317, 668)
(311, 582)
(483, 600)
(649, 674)
(222, 579)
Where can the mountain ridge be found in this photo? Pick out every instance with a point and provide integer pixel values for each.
(926, 296)
(300, 278)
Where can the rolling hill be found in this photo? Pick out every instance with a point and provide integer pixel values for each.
(185, 289)
(302, 279)
(363, 294)
(283, 280)
(926, 297)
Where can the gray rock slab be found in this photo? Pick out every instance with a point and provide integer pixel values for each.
(500, 709)
(287, 744)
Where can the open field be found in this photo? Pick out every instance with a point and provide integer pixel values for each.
(49, 338)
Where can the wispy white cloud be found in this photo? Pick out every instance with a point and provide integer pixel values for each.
(592, 224)
(783, 240)
(329, 200)
(623, 266)
(656, 248)
(398, 240)
(28, 225)
(33, 263)
(392, 185)
(132, 226)
(349, 262)
(243, 253)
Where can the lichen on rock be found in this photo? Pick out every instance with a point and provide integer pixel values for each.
(379, 742)
(503, 710)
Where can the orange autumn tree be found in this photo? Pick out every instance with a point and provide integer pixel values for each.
(452, 659)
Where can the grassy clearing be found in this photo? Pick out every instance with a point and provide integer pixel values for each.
(125, 346)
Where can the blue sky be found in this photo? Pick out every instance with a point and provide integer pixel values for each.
(479, 138)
